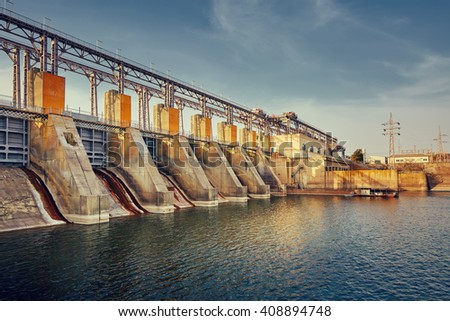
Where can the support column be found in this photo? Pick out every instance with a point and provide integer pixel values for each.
(140, 93)
(145, 111)
(93, 94)
(26, 69)
(169, 95)
(54, 56)
(229, 114)
(120, 79)
(16, 99)
(43, 53)
(205, 113)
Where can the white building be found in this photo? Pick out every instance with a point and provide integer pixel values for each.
(376, 160)
(410, 158)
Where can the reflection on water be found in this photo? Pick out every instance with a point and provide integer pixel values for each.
(294, 248)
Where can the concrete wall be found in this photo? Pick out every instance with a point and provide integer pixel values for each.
(438, 175)
(56, 151)
(138, 171)
(246, 172)
(219, 171)
(412, 181)
(180, 162)
(362, 178)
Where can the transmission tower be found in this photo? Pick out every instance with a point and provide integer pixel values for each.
(391, 129)
(440, 156)
(440, 147)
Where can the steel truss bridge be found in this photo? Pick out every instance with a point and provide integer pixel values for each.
(49, 50)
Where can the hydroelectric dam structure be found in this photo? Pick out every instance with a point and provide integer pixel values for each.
(90, 168)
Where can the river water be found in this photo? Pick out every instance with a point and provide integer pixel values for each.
(293, 248)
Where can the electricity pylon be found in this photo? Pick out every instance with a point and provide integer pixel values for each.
(391, 129)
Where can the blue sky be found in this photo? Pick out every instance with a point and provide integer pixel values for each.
(340, 65)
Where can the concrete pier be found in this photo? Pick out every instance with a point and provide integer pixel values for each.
(138, 172)
(246, 172)
(262, 164)
(131, 161)
(219, 171)
(58, 156)
(180, 162)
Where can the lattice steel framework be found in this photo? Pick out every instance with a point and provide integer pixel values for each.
(21, 34)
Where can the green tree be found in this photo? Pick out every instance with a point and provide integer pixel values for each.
(358, 155)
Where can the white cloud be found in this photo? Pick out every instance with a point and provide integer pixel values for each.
(326, 12)
(427, 81)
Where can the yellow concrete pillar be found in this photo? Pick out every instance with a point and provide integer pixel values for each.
(227, 133)
(118, 108)
(263, 142)
(247, 137)
(201, 127)
(166, 119)
(47, 91)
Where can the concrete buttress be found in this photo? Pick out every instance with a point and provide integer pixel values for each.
(219, 171)
(137, 170)
(179, 161)
(262, 164)
(246, 172)
(58, 155)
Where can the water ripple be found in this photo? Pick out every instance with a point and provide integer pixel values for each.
(294, 248)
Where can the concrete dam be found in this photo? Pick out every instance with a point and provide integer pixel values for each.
(59, 165)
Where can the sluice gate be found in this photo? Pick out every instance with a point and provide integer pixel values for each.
(46, 197)
(119, 191)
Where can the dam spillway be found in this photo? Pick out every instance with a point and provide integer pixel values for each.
(257, 160)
